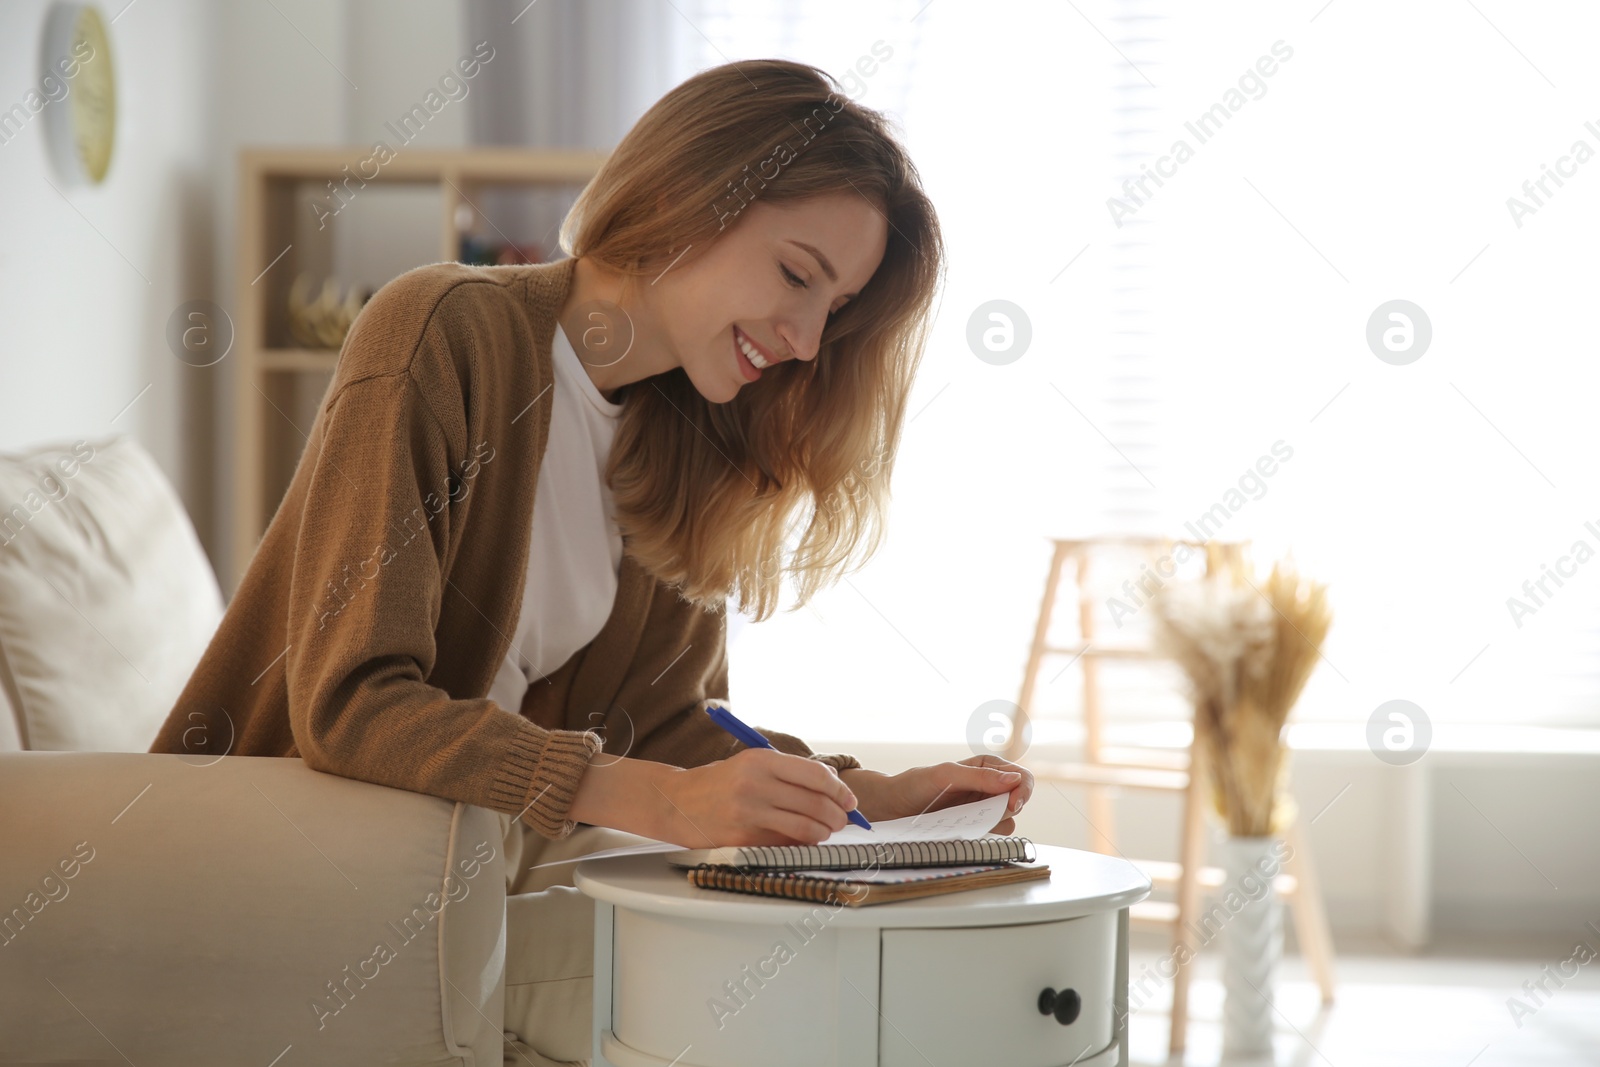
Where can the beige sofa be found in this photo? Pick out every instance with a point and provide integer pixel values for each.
(179, 909)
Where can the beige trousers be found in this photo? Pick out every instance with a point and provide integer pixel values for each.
(550, 945)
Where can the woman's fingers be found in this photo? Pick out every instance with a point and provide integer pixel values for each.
(796, 827)
(811, 775)
(800, 798)
(821, 814)
(986, 780)
(1004, 775)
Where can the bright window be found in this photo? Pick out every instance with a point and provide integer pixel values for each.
(1227, 314)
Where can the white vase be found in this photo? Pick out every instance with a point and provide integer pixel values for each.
(1252, 942)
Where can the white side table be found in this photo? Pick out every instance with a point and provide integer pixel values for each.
(687, 977)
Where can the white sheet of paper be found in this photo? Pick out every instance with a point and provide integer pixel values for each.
(623, 850)
(964, 822)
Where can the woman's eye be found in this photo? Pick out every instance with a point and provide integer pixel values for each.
(791, 277)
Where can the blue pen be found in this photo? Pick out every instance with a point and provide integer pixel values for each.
(751, 739)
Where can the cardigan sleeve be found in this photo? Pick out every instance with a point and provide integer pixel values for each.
(365, 600)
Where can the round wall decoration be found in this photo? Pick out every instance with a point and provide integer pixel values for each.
(80, 126)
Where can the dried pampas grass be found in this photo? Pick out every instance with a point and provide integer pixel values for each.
(1247, 648)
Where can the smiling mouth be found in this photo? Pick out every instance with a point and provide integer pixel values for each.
(748, 370)
(751, 351)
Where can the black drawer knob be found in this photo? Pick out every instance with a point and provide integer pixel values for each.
(1064, 1005)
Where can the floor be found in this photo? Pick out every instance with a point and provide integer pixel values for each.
(1445, 1008)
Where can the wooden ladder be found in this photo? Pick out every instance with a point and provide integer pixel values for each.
(1104, 768)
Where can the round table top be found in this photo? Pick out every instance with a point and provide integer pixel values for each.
(1080, 883)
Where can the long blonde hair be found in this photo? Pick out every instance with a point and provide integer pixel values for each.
(707, 493)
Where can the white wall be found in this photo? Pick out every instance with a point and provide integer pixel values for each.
(87, 281)
(88, 276)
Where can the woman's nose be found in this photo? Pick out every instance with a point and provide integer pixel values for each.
(803, 339)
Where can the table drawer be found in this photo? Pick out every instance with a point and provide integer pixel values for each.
(969, 996)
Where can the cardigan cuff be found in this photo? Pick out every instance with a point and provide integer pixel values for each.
(795, 747)
(544, 768)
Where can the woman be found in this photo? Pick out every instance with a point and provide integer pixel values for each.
(536, 487)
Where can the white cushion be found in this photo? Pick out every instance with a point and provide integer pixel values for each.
(106, 599)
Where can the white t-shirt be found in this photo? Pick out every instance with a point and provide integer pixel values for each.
(576, 549)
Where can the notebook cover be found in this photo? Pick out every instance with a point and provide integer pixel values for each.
(854, 894)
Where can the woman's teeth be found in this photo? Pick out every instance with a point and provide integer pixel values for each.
(752, 354)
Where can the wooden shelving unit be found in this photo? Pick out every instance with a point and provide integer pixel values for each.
(285, 233)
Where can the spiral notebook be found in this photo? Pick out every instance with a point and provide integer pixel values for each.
(858, 889)
(949, 837)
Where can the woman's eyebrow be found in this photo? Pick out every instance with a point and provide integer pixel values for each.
(821, 259)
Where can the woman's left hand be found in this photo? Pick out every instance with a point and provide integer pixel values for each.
(943, 785)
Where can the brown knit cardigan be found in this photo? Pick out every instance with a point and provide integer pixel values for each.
(382, 598)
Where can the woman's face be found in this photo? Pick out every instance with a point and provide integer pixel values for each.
(768, 282)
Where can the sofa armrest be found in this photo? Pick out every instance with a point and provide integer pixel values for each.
(185, 909)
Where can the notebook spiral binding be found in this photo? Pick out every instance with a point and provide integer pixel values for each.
(890, 854)
(711, 876)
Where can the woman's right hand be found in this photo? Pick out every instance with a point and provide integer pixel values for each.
(757, 796)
